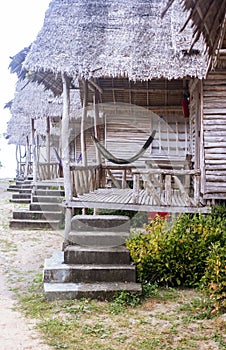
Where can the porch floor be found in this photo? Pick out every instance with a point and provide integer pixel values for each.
(123, 199)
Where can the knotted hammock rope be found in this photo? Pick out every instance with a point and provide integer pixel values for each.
(109, 156)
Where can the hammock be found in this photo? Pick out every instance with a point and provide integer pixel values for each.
(116, 160)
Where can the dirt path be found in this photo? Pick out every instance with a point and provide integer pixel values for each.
(22, 254)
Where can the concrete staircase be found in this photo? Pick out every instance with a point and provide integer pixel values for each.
(45, 210)
(21, 191)
(95, 263)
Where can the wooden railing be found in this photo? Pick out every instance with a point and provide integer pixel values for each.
(48, 171)
(168, 186)
(26, 168)
(117, 176)
(85, 179)
(164, 187)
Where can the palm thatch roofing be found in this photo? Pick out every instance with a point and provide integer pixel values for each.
(208, 18)
(117, 38)
(30, 101)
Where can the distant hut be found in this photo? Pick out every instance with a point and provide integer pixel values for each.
(28, 125)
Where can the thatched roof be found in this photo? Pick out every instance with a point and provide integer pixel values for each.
(115, 38)
(30, 101)
(208, 18)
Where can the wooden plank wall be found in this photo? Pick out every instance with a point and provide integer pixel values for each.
(214, 134)
(125, 135)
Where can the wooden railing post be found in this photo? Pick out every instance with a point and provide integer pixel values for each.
(124, 178)
(196, 188)
(136, 178)
(168, 189)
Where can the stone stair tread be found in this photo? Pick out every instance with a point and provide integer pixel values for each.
(100, 223)
(98, 238)
(21, 195)
(43, 205)
(24, 210)
(94, 286)
(25, 190)
(56, 261)
(99, 233)
(96, 249)
(44, 192)
(97, 290)
(20, 200)
(47, 199)
(35, 221)
(13, 189)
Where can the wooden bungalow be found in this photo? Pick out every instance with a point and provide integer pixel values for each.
(136, 73)
(208, 19)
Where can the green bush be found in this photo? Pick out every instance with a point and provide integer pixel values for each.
(177, 254)
(214, 280)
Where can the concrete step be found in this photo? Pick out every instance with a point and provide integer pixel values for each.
(25, 190)
(47, 199)
(100, 291)
(98, 238)
(21, 200)
(37, 215)
(24, 186)
(74, 254)
(55, 270)
(34, 224)
(116, 223)
(46, 186)
(23, 182)
(21, 196)
(45, 207)
(13, 189)
(49, 192)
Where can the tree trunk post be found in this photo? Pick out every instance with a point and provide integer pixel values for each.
(48, 144)
(66, 156)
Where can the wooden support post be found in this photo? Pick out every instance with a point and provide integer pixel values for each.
(168, 190)
(34, 151)
(124, 178)
(196, 189)
(26, 172)
(37, 154)
(48, 146)
(84, 115)
(96, 123)
(65, 155)
(17, 161)
(136, 178)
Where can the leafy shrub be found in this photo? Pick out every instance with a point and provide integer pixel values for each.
(177, 255)
(214, 280)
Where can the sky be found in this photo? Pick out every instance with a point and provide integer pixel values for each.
(20, 22)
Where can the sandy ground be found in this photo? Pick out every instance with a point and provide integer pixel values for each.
(22, 255)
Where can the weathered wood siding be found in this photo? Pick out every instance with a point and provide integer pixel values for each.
(214, 134)
(127, 133)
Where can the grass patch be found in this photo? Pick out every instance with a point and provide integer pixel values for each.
(167, 319)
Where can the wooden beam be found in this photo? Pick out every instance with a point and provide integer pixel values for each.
(96, 123)
(65, 155)
(84, 116)
(34, 151)
(137, 207)
(48, 144)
